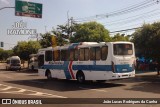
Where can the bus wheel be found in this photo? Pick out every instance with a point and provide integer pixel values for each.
(48, 74)
(80, 77)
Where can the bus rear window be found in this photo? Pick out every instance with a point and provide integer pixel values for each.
(123, 49)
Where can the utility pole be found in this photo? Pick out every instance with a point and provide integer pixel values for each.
(71, 25)
(68, 25)
(37, 37)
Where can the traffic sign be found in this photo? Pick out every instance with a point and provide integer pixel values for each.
(28, 9)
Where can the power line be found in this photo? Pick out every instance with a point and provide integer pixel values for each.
(151, 21)
(125, 30)
(133, 19)
(110, 13)
(120, 20)
(133, 8)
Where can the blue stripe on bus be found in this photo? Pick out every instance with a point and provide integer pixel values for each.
(66, 63)
(66, 70)
(118, 68)
(92, 67)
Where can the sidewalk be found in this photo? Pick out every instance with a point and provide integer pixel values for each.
(144, 71)
(147, 74)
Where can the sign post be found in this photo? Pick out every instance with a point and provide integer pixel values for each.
(28, 9)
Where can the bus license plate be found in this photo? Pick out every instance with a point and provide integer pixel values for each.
(124, 69)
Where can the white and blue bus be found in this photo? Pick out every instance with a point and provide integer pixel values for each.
(88, 61)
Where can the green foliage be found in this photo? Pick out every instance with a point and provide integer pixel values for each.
(147, 41)
(60, 36)
(46, 40)
(4, 54)
(23, 49)
(119, 37)
(90, 32)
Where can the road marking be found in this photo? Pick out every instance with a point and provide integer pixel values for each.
(9, 77)
(22, 91)
(7, 88)
(93, 89)
(46, 94)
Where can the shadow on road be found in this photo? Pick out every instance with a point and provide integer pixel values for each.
(64, 85)
(147, 83)
(144, 83)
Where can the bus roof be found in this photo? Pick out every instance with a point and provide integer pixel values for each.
(81, 44)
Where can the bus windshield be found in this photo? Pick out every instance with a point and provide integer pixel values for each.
(123, 49)
(15, 61)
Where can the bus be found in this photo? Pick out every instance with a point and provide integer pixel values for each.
(13, 63)
(88, 61)
(33, 62)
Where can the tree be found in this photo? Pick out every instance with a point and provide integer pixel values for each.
(90, 32)
(1, 54)
(146, 41)
(46, 40)
(120, 37)
(23, 49)
(61, 36)
(4, 54)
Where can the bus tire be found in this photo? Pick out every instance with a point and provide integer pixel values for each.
(80, 77)
(48, 74)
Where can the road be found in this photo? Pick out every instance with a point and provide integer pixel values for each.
(27, 84)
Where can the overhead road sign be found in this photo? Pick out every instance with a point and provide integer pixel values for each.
(28, 9)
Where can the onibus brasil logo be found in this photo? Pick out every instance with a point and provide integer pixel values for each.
(20, 28)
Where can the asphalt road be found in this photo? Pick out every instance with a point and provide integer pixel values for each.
(27, 84)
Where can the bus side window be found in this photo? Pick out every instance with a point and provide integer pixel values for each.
(48, 55)
(56, 55)
(92, 53)
(40, 60)
(98, 53)
(95, 53)
(104, 52)
(81, 54)
(76, 54)
(84, 54)
(72, 55)
(64, 55)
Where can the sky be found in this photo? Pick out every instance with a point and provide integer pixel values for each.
(55, 13)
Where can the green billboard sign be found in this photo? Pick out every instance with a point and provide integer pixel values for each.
(28, 9)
